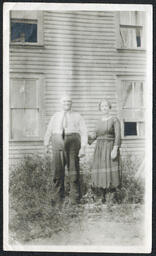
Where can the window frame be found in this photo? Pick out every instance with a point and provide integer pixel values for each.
(119, 79)
(118, 25)
(138, 136)
(28, 17)
(41, 89)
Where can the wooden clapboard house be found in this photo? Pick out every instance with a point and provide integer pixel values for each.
(91, 55)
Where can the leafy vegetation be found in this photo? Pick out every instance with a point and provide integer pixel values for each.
(32, 214)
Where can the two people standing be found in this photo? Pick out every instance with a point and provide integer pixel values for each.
(68, 132)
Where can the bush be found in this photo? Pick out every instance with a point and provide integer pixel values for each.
(33, 216)
(31, 213)
(131, 190)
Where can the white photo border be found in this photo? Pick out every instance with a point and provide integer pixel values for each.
(148, 147)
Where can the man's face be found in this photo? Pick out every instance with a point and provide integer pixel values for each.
(105, 107)
(66, 105)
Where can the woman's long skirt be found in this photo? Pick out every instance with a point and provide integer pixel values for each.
(105, 171)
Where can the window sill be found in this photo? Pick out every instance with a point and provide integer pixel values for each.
(27, 45)
(133, 138)
(27, 140)
(131, 50)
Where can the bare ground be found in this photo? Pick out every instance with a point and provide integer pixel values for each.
(116, 225)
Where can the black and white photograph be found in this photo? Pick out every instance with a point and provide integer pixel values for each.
(77, 119)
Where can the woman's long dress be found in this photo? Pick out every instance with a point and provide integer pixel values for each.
(105, 171)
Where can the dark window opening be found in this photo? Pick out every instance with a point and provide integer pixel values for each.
(138, 37)
(23, 32)
(130, 128)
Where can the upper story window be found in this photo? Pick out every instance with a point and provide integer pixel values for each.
(131, 30)
(23, 31)
(26, 28)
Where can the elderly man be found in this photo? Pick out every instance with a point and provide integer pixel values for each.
(69, 139)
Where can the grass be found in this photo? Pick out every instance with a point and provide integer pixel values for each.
(33, 217)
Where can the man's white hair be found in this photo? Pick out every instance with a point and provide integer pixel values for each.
(66, 97)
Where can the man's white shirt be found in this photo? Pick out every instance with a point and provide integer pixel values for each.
(74, 124)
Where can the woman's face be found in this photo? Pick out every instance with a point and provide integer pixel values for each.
(104, 107)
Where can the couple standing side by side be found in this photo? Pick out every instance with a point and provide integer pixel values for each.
(68, 133)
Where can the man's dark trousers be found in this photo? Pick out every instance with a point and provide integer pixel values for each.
(65, 151)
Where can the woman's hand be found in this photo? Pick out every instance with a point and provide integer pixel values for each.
(114, 152)
(91, 137)
(82, 152)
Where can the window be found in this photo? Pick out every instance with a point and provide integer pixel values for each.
(130, 128)
(131, 106)
(131, 30)
(23, 31)
(26, 28)
(26, 107)
(132, 95)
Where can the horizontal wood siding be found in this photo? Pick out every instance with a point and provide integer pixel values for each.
(79, 56)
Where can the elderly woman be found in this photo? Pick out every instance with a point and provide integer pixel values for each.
(105, 168)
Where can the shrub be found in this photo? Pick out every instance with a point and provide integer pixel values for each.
(31, 213)
(132, 188)
(33, 216)
(85, 175)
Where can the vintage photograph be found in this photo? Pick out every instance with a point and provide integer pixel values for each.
(77, 127)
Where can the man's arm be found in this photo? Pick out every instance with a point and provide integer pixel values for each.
(48, 133)
(84, 136)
